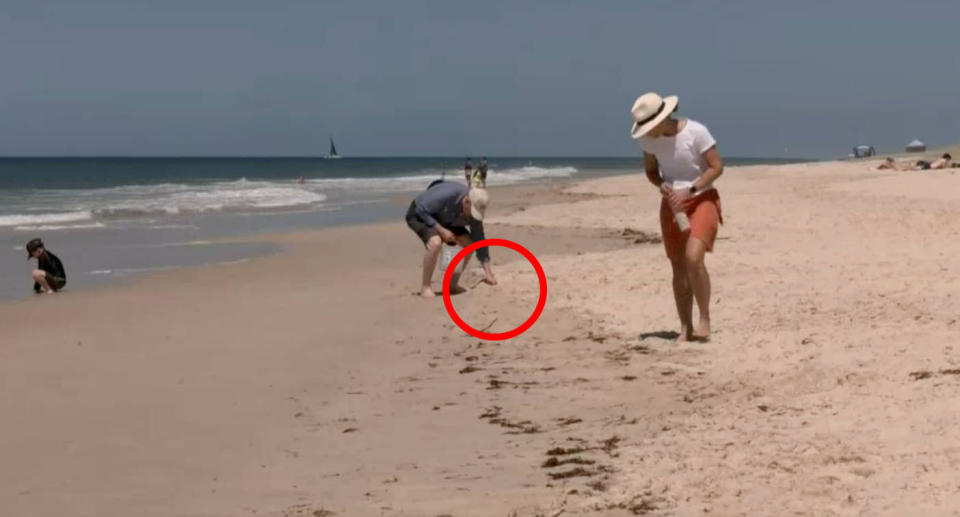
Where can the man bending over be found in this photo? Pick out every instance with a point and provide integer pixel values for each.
(442, 214)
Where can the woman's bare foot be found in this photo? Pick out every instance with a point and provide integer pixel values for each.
(685, 334)
(703, 331)
(427, 292)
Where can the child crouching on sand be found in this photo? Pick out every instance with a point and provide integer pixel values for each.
(49, 277)
(681, 159)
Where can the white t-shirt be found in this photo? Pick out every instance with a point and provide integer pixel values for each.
(681, 156)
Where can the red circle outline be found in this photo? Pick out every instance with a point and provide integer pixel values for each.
(494, 336)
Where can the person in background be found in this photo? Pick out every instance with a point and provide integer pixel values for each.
(942, 163)
(681, 159)
(888, 163)
(468, 170)
(49, 277)
(480, 176)
(441, 214)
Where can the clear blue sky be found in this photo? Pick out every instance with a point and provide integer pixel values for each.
(236, 77)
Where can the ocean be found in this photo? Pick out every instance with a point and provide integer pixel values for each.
(108, 218)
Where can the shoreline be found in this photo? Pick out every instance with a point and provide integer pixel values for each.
(201, 250)
(314, 381)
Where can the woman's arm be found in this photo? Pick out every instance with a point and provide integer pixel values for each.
(704, 180)
(652, 168)
(713, 171)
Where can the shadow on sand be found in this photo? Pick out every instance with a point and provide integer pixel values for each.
(661, 334)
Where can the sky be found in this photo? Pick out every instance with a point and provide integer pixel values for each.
(770, 78)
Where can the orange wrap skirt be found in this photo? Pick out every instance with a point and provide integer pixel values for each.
(705, 218)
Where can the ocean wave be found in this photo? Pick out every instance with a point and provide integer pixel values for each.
(52, 227)
(130, 271)
(495, 177)
(168, 199)
(528, 173)
(140, 270)
(173, 227)
(56, 209)
(218, 197)
(45, 218)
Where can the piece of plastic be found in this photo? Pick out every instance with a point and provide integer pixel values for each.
(681, 217)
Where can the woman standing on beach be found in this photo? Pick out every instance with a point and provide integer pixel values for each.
(681, 159)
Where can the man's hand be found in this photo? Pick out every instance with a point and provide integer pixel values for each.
(445, 235)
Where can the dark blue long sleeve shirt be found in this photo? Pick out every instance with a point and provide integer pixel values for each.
(443, 204)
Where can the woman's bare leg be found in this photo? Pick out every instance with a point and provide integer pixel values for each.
(683, 297)
(700, 284)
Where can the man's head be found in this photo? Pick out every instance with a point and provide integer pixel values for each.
(946, 156)
(34, 248)
(475, 203)
(889, 160)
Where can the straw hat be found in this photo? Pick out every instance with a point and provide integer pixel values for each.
(478, 203)
(649, 110)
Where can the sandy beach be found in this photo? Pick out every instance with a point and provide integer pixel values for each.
(313, 383)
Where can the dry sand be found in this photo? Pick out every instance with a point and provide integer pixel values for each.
(313, 383)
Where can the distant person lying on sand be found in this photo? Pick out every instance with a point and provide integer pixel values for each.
(442, 214)
(942, 163)
(49, 277)
(681, 159)
(888, 163)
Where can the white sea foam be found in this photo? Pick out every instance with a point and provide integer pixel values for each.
(47, 210)
(177, 199)
(130, 271)
(495, 177)
(53, 227)
(45, 218)
(528, 173)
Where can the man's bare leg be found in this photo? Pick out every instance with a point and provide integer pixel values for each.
(429, 264)
(700, 284)
(40, 277)
(455, 287)
(683, 296)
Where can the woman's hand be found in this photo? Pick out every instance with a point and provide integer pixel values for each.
(665, 189)
(678, 198)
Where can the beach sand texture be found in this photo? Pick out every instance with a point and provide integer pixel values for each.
(313, 383)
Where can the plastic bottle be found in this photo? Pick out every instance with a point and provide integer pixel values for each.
(681, 217)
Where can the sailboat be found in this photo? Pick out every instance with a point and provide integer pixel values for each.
(333, 152)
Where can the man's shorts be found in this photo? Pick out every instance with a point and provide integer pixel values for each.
(420, 227)
(705, 218)
(56, 282)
